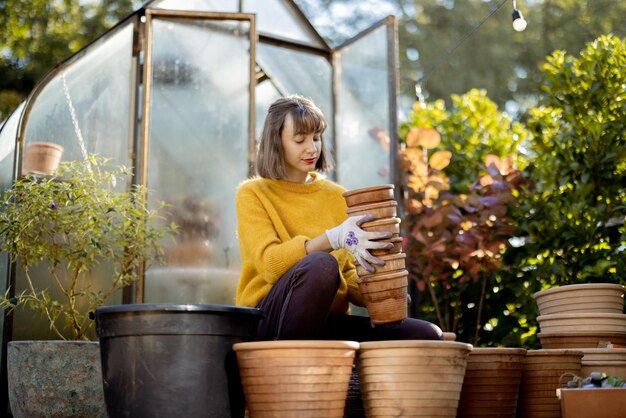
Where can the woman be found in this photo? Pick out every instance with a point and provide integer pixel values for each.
(297, 243)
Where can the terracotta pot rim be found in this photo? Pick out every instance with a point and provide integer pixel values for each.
(368, 206)
(368, 189)
(372, 345)
(384, 276)
(498, 350)
(591, 334)
(578, 287)
(577, 315)
(604, 350)
(381, 221)
(553, 351)
(282, 344)
(45, 144)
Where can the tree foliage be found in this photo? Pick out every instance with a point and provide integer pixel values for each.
(571, 217)
(36, 35)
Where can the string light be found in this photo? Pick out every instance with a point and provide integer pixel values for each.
(519, 24)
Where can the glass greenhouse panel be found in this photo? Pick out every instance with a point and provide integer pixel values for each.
(282, 19)
(231, 6)
(296, 72)
(362, 118)
(265, 94)
(198, 148)
(86, 106)
(8, 135)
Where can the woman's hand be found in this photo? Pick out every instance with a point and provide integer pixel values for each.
(350, 236)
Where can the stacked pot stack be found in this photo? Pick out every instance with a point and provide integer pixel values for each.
(384, 291)
(581, 315)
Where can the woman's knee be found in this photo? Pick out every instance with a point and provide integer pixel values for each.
(321, 270)
(421, 330)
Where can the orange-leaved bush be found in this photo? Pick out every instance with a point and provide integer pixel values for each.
(454, 239)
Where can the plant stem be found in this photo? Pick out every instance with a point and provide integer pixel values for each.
(436, 304)
(480, 309)
(43, 304)
(455, 317)
(71, 296)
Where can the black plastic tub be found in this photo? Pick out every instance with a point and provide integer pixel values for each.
(173, 360)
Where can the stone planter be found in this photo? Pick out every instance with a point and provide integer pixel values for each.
(412, 378)
(55, 379)
(296, 378)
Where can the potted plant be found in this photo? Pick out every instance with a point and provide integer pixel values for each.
(70, 222)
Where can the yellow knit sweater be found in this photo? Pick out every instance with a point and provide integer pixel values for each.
(275, 219)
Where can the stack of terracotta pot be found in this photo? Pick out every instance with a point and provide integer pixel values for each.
(384, 291)
(581, 315)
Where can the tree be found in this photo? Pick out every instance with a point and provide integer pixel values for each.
(572, 216)
(39, 34)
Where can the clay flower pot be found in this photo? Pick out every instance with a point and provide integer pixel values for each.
(369, 195)
(583, 322)
(386, 209)
(41, 158)
(491, 384)
(541, 376)
(383, 225)
(412, 378)
(590, 297)
(296, 378)
(611, 361)
(397, 248)
(579, 339)
(393, 262)
(385, 296)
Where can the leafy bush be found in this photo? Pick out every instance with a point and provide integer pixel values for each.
(572, 219)
(71, 222)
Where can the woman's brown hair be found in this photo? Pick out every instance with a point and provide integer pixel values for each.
(307, 119)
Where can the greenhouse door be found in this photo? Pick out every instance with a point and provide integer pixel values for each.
(366, 114)
(197, 133)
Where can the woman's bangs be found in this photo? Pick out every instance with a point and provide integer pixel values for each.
(305, 121)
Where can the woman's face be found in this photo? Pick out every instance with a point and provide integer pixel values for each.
(300, 152)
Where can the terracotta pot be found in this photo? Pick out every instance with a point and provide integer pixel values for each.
(575, 339)
(541, 376)
(384, 296)
(386, 209)
(412, 378)
(41, 158)
(611, 361)
(579, 322)
(383, 225)
(497, 393)
(295, 378)
(589, 297)
(369, 195)
(397, 247)
(393, 262)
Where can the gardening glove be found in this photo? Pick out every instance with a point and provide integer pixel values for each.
(350, 236)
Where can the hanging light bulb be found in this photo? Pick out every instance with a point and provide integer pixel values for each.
(519, 23)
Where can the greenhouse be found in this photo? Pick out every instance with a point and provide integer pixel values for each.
(177, 91)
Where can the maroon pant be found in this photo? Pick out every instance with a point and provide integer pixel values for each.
(296, 308)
